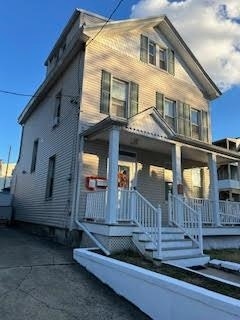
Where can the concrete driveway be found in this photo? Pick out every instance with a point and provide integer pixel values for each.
(39, 280)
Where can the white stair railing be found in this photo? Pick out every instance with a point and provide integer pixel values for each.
(148, 219)
(187, 219)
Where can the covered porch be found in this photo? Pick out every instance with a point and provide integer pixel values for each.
(141, 152)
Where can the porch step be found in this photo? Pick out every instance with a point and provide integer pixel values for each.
(177, 253)
(189, 262)
(165, 236)
(170, 245)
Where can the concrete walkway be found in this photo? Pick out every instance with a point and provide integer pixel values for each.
(39, 280)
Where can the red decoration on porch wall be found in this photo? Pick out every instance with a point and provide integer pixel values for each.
(91, 183)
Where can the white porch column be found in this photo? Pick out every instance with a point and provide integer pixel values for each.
(176, 168)
(214, 193)
(112, 197)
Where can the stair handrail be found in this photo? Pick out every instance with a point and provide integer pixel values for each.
(186, 219)
(149, 219)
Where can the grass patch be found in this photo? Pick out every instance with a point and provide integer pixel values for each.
(177, 273)
(232, 255)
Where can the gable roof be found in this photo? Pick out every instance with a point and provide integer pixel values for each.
(164, 25)
(150, 123)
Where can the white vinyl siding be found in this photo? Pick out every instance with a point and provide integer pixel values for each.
(30, 189)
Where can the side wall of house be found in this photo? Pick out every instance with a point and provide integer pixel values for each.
(30, 204)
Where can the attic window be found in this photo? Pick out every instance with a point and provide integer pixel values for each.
(152, 53)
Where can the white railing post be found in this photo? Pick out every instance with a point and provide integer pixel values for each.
(132, 205)
(159, 231)
(170, 208)
(200, 230)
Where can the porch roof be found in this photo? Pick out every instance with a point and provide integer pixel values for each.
(149, 131)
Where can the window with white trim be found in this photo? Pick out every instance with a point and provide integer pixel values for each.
(169, 112)
(155, 54)
(118, 97)
(195, 123)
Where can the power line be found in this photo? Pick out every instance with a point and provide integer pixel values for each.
(34, 95)
(103, 26)
(64, 95)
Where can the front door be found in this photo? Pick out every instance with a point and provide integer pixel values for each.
(126, 174)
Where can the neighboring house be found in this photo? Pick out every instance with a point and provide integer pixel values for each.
(229, 173)
(121, 125)
(6, 171)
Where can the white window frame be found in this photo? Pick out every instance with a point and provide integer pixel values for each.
(174, 111)
(127, 97)
(193, 124)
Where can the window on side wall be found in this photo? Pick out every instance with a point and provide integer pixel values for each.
(34, 155)
(50, 177)
(162, 59)
(57, 109)
(152, 52)
(118, 98)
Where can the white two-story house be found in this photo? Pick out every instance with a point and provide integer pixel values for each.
(117, 142)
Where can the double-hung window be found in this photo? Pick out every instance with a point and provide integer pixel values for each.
(152, 52)
(162, 59)
(169, 112)
(195, 124)
(167, 109)
(155, 54)
(118, 97)
(50, 177)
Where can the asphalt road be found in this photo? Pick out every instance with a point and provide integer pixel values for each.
(39, 280)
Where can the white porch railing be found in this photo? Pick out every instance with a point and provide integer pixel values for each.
(205, 206)
(229, 212)
(187, 219)
(96, 205)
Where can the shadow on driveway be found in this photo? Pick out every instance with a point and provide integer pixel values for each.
(39, 280)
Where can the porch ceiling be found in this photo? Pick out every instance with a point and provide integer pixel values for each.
(194, 153)
(160, 148)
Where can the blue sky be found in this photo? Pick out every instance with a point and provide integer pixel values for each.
(28, 32)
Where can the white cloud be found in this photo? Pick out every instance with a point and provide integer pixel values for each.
(211, 28)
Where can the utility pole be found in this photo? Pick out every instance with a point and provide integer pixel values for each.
(5, 178)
